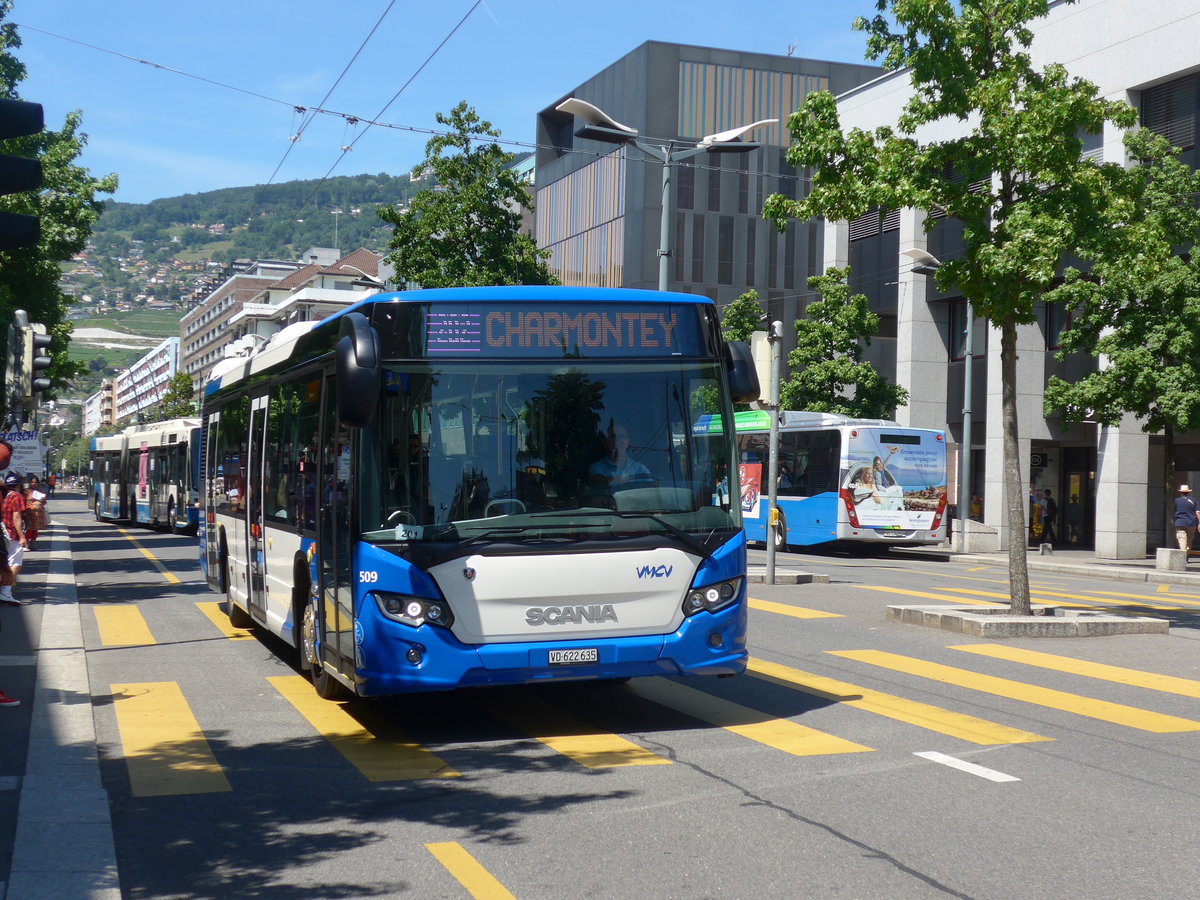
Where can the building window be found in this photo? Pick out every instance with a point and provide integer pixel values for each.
(1058, 320)
(714, 190)
(751, 235)
(697, 249)
(958, 332)
(1170, 110)
(725, 251)
(686, 175)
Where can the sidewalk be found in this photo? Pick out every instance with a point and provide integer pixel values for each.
(63, 841)
(1071, 562)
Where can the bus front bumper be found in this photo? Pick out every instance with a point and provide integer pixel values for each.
(432, 659)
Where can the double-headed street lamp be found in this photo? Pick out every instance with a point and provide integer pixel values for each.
(600, 126)
(925, 263)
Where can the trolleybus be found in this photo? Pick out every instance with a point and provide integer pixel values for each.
(858, 481)
(479, 486)
(148, 474)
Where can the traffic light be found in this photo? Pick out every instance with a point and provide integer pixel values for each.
(37, 348)
(12, 368)
(17, 174)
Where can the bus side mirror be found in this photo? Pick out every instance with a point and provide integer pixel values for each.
(743, 377)
(357, 363)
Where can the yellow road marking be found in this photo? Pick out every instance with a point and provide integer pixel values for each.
(927, 596)
(1185, 687)
(1164, 589)
(378, 759)
(1007, 598)
(165, 750)
(1116, 713)
(932, 718)
(782, 734)
(479, 882)
(150, 556)
(572, 737)
(796, 612)
(122, 626)
(215, 614)
(1174, 598)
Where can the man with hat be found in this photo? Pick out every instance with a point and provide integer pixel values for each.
(1185, 518)
(12, 515)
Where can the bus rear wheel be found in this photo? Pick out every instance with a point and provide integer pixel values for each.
(326, 686)
(779, 534)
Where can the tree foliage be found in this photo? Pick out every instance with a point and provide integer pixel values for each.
(742, 317)
(68, 207)
(1139, 308)
(179, 399)
(828, 371)
(1014, 176)
(465, 230)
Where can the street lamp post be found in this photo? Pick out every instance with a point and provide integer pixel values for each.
(925, 263)
(600, 126)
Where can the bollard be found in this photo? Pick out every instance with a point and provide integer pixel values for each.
(1171, 559)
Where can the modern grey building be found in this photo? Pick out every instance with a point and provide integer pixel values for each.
(599, 206)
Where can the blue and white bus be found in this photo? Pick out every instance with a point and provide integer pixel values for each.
(149, 475)
(477, 486)
(863, 481)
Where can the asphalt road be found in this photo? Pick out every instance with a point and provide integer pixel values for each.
(859, 758)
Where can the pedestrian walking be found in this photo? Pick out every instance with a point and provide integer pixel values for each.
(12, 519)
(1185, 519)
(1049, 514)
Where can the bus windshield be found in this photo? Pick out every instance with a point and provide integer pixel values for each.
(546, 451)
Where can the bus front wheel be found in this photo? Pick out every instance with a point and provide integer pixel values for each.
(327, 687)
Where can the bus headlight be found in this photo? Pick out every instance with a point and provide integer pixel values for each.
(712, 597)
(414, 611)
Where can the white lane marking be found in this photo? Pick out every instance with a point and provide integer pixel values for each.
(963, 766)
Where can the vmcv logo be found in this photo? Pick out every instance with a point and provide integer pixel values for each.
(654, 571)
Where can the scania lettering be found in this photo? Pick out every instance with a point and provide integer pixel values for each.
(553, 615)
(484, 486)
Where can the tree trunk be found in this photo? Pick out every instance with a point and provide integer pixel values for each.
(1018, 571)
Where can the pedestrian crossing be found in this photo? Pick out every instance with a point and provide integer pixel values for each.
(166, 752)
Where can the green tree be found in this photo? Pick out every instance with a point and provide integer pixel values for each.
(828, 371)
(67, 205)
(1139, 309)
(465, 229)
(739, 320)
(1014, 178)
(742, 317)
(179, 399)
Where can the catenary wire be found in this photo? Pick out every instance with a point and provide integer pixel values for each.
(312, 114)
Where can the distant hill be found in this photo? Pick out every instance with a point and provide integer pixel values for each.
(275, 220)
(159, 251)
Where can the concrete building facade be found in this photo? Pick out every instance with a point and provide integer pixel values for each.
(1109, 480)
(142, 385)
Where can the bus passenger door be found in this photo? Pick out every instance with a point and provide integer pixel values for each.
(335, 489)
(210, 533)
(255, 537)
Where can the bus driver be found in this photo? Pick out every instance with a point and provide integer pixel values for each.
(616, 468)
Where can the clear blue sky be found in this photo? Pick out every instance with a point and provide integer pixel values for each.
(167, 134)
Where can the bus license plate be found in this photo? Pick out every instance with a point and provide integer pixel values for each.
(573, 657)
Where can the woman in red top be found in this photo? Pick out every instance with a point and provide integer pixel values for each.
(35, 510)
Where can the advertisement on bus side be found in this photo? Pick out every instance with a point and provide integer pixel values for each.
(894, 480)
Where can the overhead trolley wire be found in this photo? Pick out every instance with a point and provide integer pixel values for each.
(312, 113)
